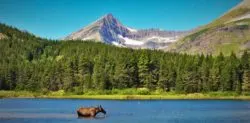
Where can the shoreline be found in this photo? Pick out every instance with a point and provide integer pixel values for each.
(193, 96)
(143, 97)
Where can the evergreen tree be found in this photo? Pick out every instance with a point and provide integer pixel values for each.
(143, 66)
(245, 60)
(99, 80)
(246, 81)
(164, 81)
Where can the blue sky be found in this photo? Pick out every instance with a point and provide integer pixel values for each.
(58, 18)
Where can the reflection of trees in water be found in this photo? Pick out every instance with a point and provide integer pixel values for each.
(36, 115)
(10, 115)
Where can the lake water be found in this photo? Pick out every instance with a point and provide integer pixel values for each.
(129, 111)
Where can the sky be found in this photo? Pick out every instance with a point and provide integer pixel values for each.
(55, 19)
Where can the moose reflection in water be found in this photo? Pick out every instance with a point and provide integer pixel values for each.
(90, 112)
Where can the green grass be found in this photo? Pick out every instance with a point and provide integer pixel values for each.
(18, 94)
(196, 34)
(227, 49)
(151, 96)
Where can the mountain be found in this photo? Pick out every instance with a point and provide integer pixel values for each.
(109, 30)
(230, 32)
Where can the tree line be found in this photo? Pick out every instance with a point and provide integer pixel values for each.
(31, 63)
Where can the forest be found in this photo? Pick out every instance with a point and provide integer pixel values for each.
(30, 63)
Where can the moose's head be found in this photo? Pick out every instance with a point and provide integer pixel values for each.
(100, 109)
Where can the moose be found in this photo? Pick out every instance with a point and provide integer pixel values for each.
(90, 112)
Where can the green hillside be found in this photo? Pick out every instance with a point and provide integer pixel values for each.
(229, 33)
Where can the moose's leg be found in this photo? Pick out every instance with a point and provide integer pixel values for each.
(92, 114)
(80, 114)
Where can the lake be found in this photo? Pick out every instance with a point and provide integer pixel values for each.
(126, 111)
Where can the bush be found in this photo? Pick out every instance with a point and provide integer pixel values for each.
(246, 93)
(57, 93)
(143, 91)
(130, 91)
(96, 92)
(222, 94)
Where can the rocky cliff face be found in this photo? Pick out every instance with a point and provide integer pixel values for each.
(109, 30)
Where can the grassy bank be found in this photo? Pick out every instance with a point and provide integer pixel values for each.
(163, 96)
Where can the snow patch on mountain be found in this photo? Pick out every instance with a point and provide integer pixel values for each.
(128, 41)
(131, 29)
(246, 16)
(117, 44)
(163, 39)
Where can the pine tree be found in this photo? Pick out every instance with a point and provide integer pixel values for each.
(143, 65)
(163, 82)
(85, 73)
(245, 60)
(205, 75)
(99, 81)
(246, 81)
(214, 77)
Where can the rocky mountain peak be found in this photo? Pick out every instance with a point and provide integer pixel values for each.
(108, 19)
(108, 16)
(110, 30)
